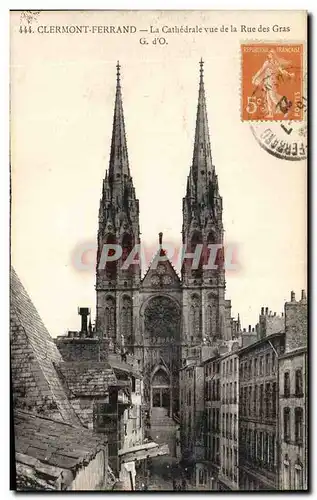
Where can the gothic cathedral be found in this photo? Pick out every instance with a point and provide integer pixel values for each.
(161, 317)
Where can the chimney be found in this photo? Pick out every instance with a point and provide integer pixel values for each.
(266, 311)
(262, 311)
(84, 313)
(303, 295)
(292, 296)
(275, 314)
(249, 328)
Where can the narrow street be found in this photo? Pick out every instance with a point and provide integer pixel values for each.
(162, 471)
(162, 474)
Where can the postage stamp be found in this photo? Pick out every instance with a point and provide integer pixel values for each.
(272, 81)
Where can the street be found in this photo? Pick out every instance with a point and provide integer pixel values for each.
(162, 471)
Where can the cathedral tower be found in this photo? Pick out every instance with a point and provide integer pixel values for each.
(203, 286)
(118, 234)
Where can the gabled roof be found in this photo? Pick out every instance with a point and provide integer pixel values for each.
(88, 378)
(154, 270)
(35, 382)
(49, 452)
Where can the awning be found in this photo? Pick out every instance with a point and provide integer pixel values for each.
(143, 451)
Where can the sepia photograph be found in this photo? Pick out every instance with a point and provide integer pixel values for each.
(158, 283)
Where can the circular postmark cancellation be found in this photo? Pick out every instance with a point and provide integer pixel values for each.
(285, 140)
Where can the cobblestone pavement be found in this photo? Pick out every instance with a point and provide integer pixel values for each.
(162, 472)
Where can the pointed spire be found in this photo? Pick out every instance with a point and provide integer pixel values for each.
(118, 73)
(119, 162)
(202, 161)
(239, 323)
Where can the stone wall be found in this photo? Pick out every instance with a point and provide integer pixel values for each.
(93, 476)
(78, 349)
(295, 324)
(269, 323)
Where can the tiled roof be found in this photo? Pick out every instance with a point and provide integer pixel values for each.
(35, 383)
(88, 378)
(49, 452)
(120, 367)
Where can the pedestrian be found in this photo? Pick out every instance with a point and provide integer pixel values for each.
(174, 485)
(184, 484)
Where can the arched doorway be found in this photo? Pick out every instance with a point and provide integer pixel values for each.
(160, 388)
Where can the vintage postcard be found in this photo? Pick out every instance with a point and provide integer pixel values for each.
(158, 248)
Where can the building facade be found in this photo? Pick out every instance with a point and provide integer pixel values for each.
(229, 441)
(258, 416)
(293, 396)
(212, 397)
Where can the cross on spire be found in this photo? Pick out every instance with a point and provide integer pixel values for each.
(160, 238)
(201, 64)
(118, 73)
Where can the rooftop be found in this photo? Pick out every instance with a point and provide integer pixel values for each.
(88, 378)
(35, 383)
(49, 452)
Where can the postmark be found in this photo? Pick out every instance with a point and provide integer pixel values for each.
(272, 82)
(284, 140)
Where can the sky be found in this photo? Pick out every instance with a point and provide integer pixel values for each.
(62, 99)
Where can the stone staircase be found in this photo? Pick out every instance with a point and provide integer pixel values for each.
(163, 429)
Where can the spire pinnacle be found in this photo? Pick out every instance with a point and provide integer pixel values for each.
(119, 163)
(201, 71)
(118, 73)
(202, 161)
(160, 239)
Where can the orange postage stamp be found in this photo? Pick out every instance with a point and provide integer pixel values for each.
(272, 81)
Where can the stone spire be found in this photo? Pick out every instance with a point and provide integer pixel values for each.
(118, 162)
(202, 205)
(202, 161)
(119, 207)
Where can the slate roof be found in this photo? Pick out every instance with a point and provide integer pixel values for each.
(49, 452)
(35, 382)
(120, 368)
(88, 378)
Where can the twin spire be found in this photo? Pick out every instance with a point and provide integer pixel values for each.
(202, 160)
(202, 185)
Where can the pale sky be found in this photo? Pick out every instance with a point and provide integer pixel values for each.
(62, 99)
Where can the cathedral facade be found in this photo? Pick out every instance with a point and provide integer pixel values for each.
(161, 316)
